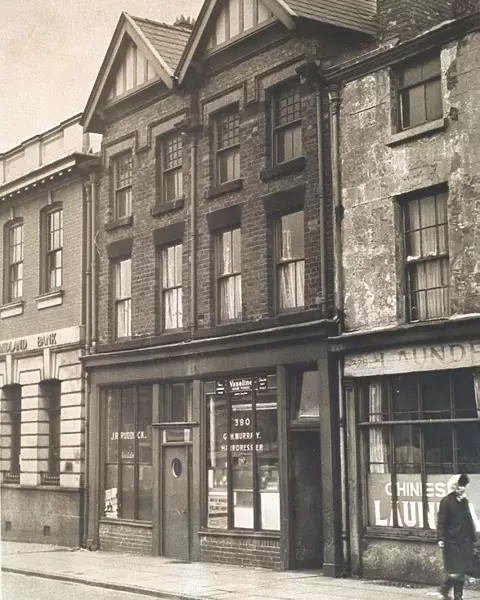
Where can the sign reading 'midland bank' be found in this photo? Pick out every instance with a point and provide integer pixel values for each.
(69, 335)
(416, 358)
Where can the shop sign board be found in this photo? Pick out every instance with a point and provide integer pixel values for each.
(409, 499)
(69, 335)
(458, 355)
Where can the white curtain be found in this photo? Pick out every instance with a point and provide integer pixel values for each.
(378, 449)
(476, 380)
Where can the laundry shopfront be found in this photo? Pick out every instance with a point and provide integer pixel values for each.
(205, 451)
(413, 420)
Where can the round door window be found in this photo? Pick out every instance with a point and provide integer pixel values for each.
(176, 467)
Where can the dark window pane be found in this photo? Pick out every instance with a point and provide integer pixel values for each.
(178, 403)
(416, 103)
(438, 449)
(127, 428)
(436, 395)
(145, 487)
(128, 492)
(468, 436)
(433, 100)
(466, 402)
(144, 432)
(407, 449)
(217, 444)
(113, 421)
(306, 395)
(405, 398)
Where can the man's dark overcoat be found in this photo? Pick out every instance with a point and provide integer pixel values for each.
(456, 529)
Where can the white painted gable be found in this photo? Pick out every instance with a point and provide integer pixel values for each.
(237, 17)
(133, 71)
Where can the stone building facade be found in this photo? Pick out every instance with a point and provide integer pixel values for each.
(408, 200)
(42, 334)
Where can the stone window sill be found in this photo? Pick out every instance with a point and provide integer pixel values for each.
(224, 188)
(286, 168)
(173, 205)
(117, 223)
(12, 309)
(415, 132)
(50, 299)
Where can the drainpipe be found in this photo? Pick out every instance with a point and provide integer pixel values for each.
(88, 344)
(93, 250)
(193, 234)
(334, 101)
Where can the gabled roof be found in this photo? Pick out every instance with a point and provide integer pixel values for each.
(161, 44)
(356, 15)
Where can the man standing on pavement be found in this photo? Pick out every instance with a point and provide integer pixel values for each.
(456, 535)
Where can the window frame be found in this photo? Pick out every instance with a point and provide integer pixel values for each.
(52, 393)
(119, 463)
(402, 90)
(254, 396)
(221, 276)
(413, 263)
(284, 89)
(122, 300)
(420, 425)
(164, 172)
(47, 252)
(230, 151)
(280, 263)
(13, 286)
(13, 399)
(120, 188)
(162, 257)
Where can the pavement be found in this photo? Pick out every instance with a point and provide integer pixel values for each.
(161, 577)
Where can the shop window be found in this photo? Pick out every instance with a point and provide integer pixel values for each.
(229, 279)
(128, 454)
(12, 400)
(242, 454)
(427, 261)
(169, 167)
(287, 124)
(291, 261)
(418, 430)
(122, 178)
(227, 146)
(419, 92)
(172, 300)
(13, 261)
(122, 275)
(52, 221)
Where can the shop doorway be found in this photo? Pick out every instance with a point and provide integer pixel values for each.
(176, 509)
(306, 500)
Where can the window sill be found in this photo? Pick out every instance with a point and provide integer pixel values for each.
(240, 533)
(173, 205)
(120, 522)
(117, 223)
(12, 309)
(416, 132)
(50, 299)
(224, 188)
(286, 168)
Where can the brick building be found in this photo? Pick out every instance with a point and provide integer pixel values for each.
(215, 292)
(405, 144)
(42, 319)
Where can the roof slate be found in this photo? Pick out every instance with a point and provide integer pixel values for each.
(359, 15)
(169, 41)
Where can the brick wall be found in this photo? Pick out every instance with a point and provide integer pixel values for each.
(126, 538)
(373, 174)
(29, 207)
(241, 79)
(245, 551)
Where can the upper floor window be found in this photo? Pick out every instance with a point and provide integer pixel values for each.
(287, 124)
(229, 280)
(172, 307)
(123, 171)
(53, 222)
(14, 261)
(227, 138)
(236, 17)
(170, 173)
(419, 93)
(427, 262)
(291, 261)
(123, 297)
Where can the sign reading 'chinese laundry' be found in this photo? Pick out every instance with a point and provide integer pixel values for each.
(416, 358)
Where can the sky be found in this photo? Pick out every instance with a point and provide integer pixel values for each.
(51, 52)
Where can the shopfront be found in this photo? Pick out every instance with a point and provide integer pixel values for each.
(223, 466)
(414, 417)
